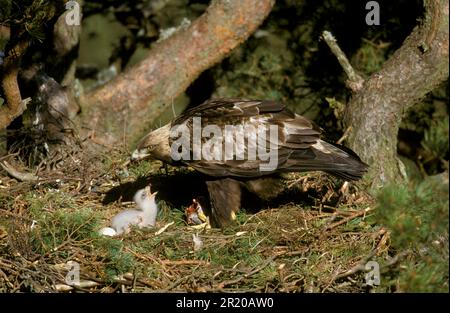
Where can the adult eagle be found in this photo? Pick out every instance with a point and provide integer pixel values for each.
(246, 143)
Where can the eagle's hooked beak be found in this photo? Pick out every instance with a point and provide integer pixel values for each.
(140, 154)
(155, 145)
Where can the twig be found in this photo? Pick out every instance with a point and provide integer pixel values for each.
(397, 258)
(185, 262)
(163, 229)
(349, 218)
(345, 135)
(82, 285)
(180, 280)
(358, 267)
(22, 176)
(8, 156)
(355, 81)
(128, 282)
(5, 277)
(256, 270)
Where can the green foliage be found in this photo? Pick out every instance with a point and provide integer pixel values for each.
(6, 6)
(60, 221)
(414, 214)
(31, 16)
(116, 260)
(418, 117)
(141, 169)
(337, 106)
(418, 218)
(436, 138)
(429, 275)
(63, 227)
(261, 73)
(426, 138)
(370, 57)
(48, 202)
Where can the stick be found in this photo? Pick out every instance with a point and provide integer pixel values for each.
(163, 229)
(355, 81)
(358, 267)
(22, 176)
(349, 218)
(256, 270)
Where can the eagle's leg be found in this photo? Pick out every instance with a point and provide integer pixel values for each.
(225, 199)
(266, 188)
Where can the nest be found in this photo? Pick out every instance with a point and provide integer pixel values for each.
(49, 239)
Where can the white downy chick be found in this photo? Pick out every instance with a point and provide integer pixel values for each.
(143, 217)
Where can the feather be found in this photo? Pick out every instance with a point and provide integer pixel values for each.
(290, 140)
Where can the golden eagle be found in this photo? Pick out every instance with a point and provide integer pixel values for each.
(238, 142)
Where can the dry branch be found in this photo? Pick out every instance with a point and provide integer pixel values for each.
(22, 176)
(355, 81)
(127, 105)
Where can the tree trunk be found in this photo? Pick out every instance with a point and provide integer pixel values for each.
(376, 110)
(126, 106)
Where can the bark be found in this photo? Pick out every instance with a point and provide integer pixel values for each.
(375, 112)
(126, 106)
(14, 105)
(66, 40)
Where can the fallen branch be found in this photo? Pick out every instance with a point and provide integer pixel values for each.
(22, 176)
(84, 284)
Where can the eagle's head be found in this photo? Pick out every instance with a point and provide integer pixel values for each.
(155, 145)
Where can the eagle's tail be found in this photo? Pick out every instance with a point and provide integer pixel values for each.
(333, 159)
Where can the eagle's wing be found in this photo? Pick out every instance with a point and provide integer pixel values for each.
(297, 143)
(293, 132)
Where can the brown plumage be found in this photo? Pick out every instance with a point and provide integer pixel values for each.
(297, 147)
